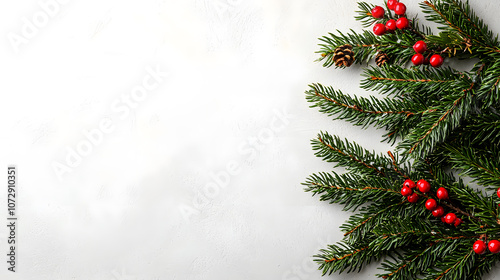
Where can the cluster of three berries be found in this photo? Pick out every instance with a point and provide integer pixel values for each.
(420, 48)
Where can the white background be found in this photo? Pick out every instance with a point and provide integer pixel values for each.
(142, 203)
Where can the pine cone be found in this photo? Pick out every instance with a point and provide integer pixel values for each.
(343, 56)
(381, 58)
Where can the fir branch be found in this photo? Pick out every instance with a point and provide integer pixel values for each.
(338, 99)
(365, 14)
(489, 92)
(365, 220)
(460, 268)
(416, 261)
(423, 85)
(334, 259)
(458, 17)
(482, 267)
(445, 118)
(349, 155)
(398, 45)
(405, 268)
(374, 219)
(484, 208)
(352, 190)
(481, 165)
(480, 130)
(392, 114)
(438, 123)
(344, 257)
(473, 23)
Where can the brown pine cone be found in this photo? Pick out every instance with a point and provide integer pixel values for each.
(343, 56)
(381, 58)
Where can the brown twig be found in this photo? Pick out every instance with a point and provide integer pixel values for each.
(352, 189)
(408, 80)
(395, 165)
(346, 256)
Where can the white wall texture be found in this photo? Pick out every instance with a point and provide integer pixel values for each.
(162, 139)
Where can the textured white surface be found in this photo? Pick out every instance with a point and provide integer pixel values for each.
(196, 177)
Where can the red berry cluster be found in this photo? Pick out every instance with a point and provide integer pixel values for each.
(493, 246)
(480, 246)
(420, 48)
(380, 29)
(431, 204)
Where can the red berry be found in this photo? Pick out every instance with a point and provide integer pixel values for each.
(450, 218)
(494, 246)
(391, 4)
(458, 221)
(423, 186)
(409, 183)
(405, 191)
(426, 61)
(379, 29)
(431, 204)
(417, 59)
(413, 198)
(436, 60)
(420, 47)
(400, 9)
(479, 247)
(443, 220)
(402, 23)
(391, 25)
(378, 12)
(442, 193)
(438, 212)
(498, 192)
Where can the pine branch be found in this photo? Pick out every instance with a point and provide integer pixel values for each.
(424, 84)
(342, 257)
(482, 267)
(479, 164)
(445, 119)
(489, 92)
(352, 190)
(480, 130)
(458, 17)
(459, 269)
(390, 114)
(361, 225)
(366, 45)
(474, 23)
(483, 207)
(415, 262)
(365, 14)
(349, 155)
(438, 123)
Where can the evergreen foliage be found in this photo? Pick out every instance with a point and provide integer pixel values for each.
(441, 122)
